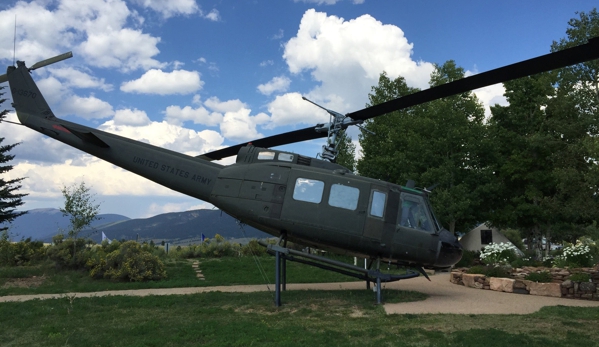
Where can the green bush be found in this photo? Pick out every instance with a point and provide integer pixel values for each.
(515, 237)
(24, 252)
(542, 277)
(575, 255)
(253, 248)
(468, 259)
(129, 262)
(496, 254)
(69, 253)
(489, 271)
(580, 277)
(525, 261)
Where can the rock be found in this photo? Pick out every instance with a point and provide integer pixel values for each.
(471, 280)
(519, 284)
(502, 284)
(544, 289)
(520, 291)
(587, 287)
(567, 284)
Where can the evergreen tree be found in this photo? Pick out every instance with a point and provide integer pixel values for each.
(10, 199)
(438, 143)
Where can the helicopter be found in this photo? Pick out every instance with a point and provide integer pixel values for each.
(310, 201)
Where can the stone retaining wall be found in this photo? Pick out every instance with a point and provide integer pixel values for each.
(560, 286)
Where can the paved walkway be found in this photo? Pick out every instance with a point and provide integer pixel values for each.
(444, 297)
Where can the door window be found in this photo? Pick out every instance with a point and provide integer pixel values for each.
(308, 190)
(377, 203)
(344, 196)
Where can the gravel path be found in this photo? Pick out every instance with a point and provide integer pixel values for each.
(444, 297)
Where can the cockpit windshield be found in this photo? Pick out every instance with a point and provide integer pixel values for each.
(414, 213)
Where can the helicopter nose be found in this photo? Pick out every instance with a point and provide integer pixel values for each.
(451, 250)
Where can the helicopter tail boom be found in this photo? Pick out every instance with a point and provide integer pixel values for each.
(186, 174)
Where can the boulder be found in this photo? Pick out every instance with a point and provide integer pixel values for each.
(472, 280)
(544, 289)
(502, 284)
(567, 284)
(587, 287)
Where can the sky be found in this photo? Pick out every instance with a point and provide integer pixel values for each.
(195, 76)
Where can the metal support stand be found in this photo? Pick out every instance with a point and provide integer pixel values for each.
(277, 278)
(284, 272)
(378, 281)
(283, 254)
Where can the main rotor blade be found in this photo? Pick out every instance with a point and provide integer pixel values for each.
(551, 61)
(52, 60)
(305, 134)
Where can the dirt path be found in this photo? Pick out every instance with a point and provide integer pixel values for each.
(444, 297)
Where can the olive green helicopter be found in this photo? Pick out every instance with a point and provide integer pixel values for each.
(313, 202)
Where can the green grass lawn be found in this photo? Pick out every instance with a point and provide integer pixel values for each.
(217, 271)
(307, 318)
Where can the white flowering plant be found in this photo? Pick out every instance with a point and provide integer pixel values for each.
(576, 255)
(498, 254)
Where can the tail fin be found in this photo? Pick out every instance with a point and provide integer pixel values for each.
(27, 99)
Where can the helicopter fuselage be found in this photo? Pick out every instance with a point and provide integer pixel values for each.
(310, 201)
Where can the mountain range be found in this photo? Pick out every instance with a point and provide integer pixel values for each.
(176, 227)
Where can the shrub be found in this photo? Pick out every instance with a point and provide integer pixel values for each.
(497, 254)
(130, 262)
(525, 261)
(253, 248)
(580, 277)
(514, 236)
(543, 277)
(68, 253)
(489, 271)
(468, 259)
(24, 252)
(577, 255)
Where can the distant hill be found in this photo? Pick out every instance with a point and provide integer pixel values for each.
(180, 227)
(177, 227)
(43, 223)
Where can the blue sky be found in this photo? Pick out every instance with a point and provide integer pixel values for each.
(195, 76)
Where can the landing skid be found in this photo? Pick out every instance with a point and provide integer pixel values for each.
(282, 254)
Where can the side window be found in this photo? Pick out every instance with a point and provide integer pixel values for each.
(377, 203)
(344, 196)
(308, 190)
(414, 213)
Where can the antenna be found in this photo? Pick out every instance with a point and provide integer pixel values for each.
(14, 44)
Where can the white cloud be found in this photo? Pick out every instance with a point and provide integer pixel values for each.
(133, 117)
(267, 63)
(94, 28)
(213, 15)
(126, 48)
(163, 134)
(277, 84)
(490, 96)
(224, 106)
(290, 108)
(87, 107)
(165, 83)
(178, 115)
(78, 79)
(347, 57)
(240, 126)
(156, 209)
(170, 8)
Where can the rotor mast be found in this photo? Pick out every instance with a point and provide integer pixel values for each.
(337, 123)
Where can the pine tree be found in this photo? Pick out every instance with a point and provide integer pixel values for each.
(9, 198)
